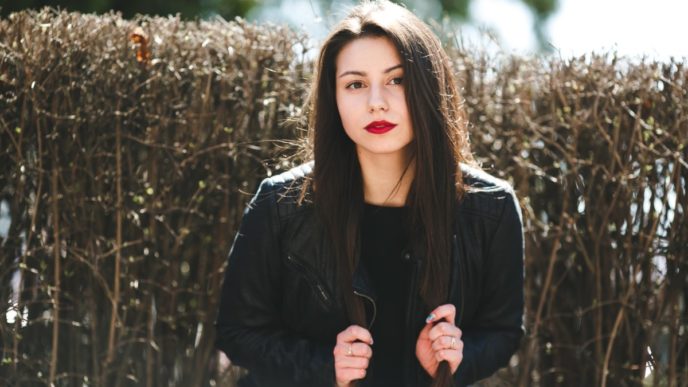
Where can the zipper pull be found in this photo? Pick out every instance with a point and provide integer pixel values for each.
(322, 293)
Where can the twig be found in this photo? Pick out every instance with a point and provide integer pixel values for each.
(118, 237)
(615, 329)
(56, 290)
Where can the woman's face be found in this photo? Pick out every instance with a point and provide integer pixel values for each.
(371, 99)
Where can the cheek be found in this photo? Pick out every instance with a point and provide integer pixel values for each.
(347, 109)
(400, 102)
(406, 114)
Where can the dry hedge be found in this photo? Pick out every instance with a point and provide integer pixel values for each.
(128, 147)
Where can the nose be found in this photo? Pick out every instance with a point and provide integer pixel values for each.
(377, 100)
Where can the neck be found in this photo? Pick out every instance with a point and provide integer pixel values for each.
(387, 178)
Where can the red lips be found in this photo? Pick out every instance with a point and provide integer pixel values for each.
(380, 127)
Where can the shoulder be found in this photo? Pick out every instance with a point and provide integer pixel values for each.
(476, 179)
(285, 189)
(293, 176)
(286, 181)
(485, 194)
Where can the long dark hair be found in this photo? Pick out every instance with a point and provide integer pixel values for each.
(440, 145)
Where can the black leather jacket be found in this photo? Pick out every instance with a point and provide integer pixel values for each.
(279, 313)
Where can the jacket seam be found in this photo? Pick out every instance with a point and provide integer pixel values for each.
(509, 196)
(275, 226)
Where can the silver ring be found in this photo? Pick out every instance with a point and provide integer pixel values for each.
(453, 343)
(350, 351)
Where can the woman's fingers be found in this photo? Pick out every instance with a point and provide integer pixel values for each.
(444, 329)
(452, 356)
(446, 311)
(352, 362)
(447, 342)
(354, 333)
(444, 335)
(361, 349)
(356, 349)
(352, 354)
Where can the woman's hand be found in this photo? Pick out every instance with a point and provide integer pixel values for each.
(352, 354)
(440, 341)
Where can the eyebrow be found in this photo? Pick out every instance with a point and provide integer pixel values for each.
(361, 73)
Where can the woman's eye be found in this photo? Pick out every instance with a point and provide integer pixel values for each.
(354, 85)
(397, 80)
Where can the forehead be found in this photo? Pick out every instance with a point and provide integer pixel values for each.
(368, 54)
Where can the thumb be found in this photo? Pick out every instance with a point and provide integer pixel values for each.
(425, 332)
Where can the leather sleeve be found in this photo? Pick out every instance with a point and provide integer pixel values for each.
(496, 332)
(249, 328)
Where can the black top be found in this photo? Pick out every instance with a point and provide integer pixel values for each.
(384, 241)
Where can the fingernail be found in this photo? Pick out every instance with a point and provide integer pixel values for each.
(430, 317)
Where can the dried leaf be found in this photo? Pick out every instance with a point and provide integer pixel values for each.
(143, 53)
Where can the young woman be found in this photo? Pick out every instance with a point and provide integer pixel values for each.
(388, 260)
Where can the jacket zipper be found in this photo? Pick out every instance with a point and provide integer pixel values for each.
(461, 281)
(323, 294)
(374, 307)
(312, 279)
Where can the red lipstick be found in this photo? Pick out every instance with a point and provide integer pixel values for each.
(380, 127)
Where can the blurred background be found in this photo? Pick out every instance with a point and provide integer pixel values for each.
(635, 28)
